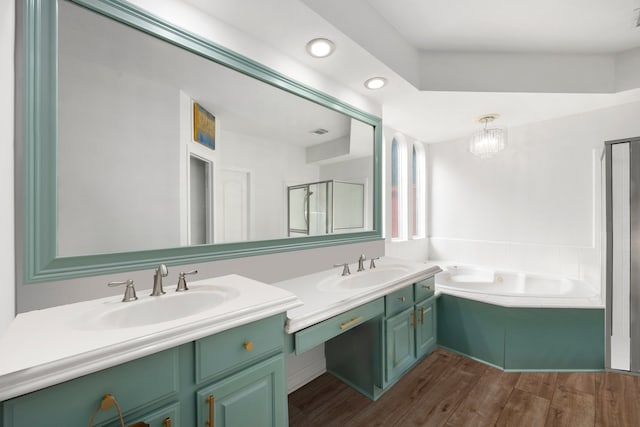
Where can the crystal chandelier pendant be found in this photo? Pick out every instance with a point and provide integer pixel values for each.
(487, 141)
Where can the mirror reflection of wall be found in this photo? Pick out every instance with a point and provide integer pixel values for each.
(131, 177)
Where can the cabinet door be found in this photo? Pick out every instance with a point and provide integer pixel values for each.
(400, 343)
(425, 327)
(253, 397)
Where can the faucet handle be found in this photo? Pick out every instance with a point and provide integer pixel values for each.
(373, 263)
(182, 282)
(345, 268)
(129, 292)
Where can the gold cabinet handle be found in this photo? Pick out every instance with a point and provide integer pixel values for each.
(353, 321)
(248, 345)
(166, 422)
(413, 319)
(210, 401)
(403, 299)
(426, 286)
(422, 315)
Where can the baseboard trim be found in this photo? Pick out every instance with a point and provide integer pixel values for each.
(306, 375)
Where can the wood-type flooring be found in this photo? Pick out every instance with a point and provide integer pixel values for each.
(446, 389)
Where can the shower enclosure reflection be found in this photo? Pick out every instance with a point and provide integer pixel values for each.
(326, 207)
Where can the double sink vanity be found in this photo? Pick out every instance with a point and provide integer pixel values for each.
(214, 355)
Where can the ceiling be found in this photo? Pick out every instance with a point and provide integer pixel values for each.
(398, 40)
(566, 26)
(245, 105)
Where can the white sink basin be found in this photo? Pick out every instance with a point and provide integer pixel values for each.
(364, 279)
(152, 310)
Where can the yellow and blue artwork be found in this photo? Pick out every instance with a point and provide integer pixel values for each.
(204, 126)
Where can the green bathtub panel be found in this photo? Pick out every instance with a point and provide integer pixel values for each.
(471, 328)
(554, 338)
(523, 338)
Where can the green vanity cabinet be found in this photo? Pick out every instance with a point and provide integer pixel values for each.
(242, 369)
(410, 333)
(400, 330)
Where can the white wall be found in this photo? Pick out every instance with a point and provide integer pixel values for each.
(110, 171)
(535, 206)
(7, 265)
(627, 66)
(272, 167)
(517, 72)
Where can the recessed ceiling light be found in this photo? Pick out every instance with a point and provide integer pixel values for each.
(320, 48)
(375, 83)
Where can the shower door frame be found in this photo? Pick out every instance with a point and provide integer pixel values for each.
(634, 251)
(306, 186)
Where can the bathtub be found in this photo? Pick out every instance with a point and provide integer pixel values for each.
(516, 289)
(520, 321)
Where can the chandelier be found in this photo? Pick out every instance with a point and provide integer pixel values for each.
(488, 141)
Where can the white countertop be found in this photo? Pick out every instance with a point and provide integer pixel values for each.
(321, 303)
(46, 347)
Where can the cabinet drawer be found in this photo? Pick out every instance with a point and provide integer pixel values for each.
(399, 300)
(136, 384)
(221, 353)
(425, 288)
(323, 331)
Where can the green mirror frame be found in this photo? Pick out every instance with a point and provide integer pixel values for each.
(36, 130)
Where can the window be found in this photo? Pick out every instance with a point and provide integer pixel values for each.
(398, 190)
(408, 190)
(418, 191)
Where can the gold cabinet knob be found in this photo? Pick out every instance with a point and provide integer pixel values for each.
(248, 345)
(403, 299)
(426, 286)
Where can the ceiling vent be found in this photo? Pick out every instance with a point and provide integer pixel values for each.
(319, 131)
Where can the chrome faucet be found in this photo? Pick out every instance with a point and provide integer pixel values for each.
(160, 272)
(361, 262)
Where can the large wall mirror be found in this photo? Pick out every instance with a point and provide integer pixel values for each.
(144, 143)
